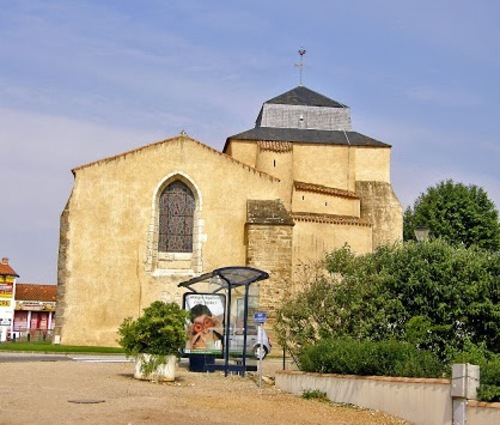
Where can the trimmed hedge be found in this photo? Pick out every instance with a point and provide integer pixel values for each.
(368, 358)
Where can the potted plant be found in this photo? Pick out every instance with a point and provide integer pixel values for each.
(155, 340)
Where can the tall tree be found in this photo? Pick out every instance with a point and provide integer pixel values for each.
(459, 214)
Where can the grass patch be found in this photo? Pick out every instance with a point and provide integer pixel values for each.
(48, 347)
(315, 395)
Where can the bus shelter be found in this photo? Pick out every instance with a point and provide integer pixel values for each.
(224, 282)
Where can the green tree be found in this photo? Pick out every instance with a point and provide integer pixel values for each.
(458, 213)
(434, 295)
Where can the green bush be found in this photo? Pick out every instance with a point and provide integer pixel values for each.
(489, 364)
(490, 372)
(489, 393)
(159, 331)
(384, 358)
(433, 295)
(315, 395)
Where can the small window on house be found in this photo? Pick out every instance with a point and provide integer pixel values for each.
(176, 218)
(274, 163)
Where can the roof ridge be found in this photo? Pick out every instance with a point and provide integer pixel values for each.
(308, 136)
(111, 158)
(131, 151)
(302, 95)
(313, 187)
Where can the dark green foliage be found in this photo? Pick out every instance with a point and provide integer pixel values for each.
(368, 358)
(489, 364)
(489, 393)
(160, 331)
(490, 372)
(437, 297)
(459, 214)
(431, 294)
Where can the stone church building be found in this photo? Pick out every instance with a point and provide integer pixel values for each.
(278, 197)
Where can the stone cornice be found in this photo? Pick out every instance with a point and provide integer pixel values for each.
(330, 219)
(316, 188)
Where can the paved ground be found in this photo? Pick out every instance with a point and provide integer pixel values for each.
(54, 389)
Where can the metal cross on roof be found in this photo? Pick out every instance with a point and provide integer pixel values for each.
(301, 65)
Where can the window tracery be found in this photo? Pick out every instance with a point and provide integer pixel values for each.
(176, 218)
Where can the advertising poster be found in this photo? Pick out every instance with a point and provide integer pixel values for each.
(206, 322)
(6, 289)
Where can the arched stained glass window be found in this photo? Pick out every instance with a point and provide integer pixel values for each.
(176, 208)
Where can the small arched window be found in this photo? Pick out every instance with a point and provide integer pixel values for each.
(176, 211)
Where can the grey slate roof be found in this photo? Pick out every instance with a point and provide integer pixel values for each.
(301, 95)
(307, 136)
(281, 127)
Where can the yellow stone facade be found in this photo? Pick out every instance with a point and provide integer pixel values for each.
(270, 204)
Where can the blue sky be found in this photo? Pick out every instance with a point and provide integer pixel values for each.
(83, 80)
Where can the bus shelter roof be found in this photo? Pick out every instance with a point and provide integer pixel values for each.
(228, 277)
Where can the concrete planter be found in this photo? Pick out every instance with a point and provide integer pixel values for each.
(164, 372)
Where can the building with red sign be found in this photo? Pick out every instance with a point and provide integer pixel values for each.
(34, 316)
(27, 311)
(7, 289)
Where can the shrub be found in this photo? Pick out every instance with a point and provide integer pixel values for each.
(489, 393)
(489, 364)
(490, 372)
(159, 331)
(384, 358)
(433, 295)
(315, 395)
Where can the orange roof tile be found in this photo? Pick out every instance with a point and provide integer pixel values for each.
(265, 145)
(33, 292)
(6, 270)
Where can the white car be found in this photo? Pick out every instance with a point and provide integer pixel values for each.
(255, 348)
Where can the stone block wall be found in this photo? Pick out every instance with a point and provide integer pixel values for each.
(269, 247)
(380, 205)
(63, 271)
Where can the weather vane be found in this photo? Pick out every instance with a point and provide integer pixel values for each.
(301, 65)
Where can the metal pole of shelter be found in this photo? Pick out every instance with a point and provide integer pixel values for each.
(245, 324)
(227, 327)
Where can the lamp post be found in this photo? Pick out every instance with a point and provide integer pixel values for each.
(421, 233)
